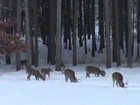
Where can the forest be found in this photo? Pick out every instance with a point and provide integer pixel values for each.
(59, 22)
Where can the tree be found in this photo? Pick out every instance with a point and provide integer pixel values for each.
(138, 29)
(107, 32)
(117, 32)
(35, 31)
(101, 25)
(27, 30)
(52, 29)
(129, 61)
(58, 36)
(74, 32)
(10, 43)
(94, 48)
(18, 66)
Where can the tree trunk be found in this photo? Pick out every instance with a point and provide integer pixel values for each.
(117, 33)
(8, 58)
(27, 28)
(101, 26)
(52, 31)
(138, 29)
(94, 48)
(1, 12)
(129, 61)
(74, 32)
(107, 32)
(80, 25)
(58, 36)
(35, 31)
(113, 32)
(18, 66)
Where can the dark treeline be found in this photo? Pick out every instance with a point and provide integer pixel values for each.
(77, 19)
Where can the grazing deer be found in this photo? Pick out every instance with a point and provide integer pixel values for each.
(23, 63)
(118, 77)
(70, 74)
(46, 71)
(35, 73)
(62, 67)
(94, 70)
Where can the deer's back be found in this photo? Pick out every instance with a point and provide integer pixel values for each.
(116, 76)
(93, 69)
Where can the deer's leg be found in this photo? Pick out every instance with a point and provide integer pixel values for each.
(116, 84)
(28, 77)
(66, 79)
(49, 75)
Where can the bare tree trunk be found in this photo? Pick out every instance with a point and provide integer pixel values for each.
(107, 32)
(18, 66)
(117, 33)
(52, 44)
(138, 29)
(35, 31)
(129, 62)
(27, 30)
(1, 11)
(58, 36)
(74, 32)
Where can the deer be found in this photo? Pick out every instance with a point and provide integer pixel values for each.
(94, 70)
(23, 63)
(35, 73)
(46, 71)
(62, 65)
(70, 74)
(118, 77)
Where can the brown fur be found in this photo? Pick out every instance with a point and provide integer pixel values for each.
(70, 74)
(46, 71)
(118, 77)
(35, 73)
(94, 70)
(62, 67)
(23, 63)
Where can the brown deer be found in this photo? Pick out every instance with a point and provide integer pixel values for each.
(62, 67)
(118, 77)
(70, 74)
(94, 70)
(23, 63)
(36, 73)
(46, 71)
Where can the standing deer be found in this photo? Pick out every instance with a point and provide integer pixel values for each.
(62, 65)
(70, 74)
(23, 63)
(94, 70)
(35, 73)
(118, 77)
(46, 71)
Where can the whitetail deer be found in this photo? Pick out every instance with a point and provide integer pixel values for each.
(46, 71)
(35, 73)
(70, 74)
(94, 70)
(118, 77)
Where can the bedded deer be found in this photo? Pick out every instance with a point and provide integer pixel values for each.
(35, 73)
(94, 70)
(118, 77)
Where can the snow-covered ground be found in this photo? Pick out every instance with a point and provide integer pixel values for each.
(16, 90)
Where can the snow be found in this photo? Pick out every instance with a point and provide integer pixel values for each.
(16, 90)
